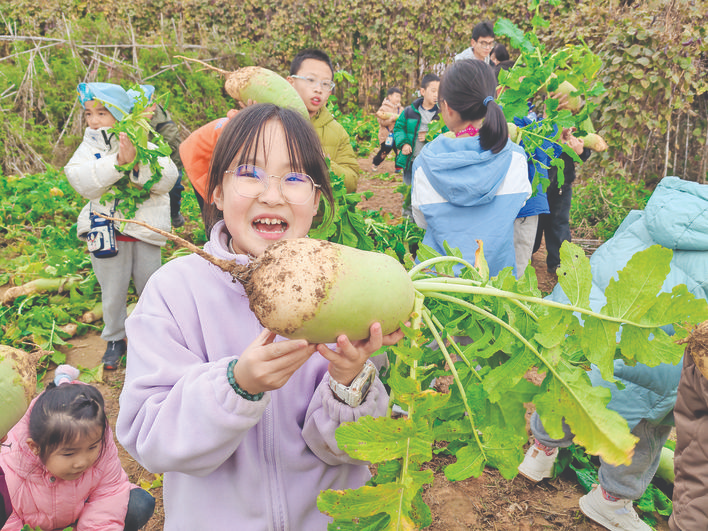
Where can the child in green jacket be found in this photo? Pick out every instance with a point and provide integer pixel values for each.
(412, 125)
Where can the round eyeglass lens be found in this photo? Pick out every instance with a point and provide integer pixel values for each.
(251, 181)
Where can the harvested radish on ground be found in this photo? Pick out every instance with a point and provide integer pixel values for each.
(18, 382)
(317, 290)
(58, 285)
(259, 85)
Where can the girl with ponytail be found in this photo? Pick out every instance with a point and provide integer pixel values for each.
(62, 467)
(470, 184)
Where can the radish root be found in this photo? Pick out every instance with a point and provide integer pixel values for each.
(236, 270)
(207, 65)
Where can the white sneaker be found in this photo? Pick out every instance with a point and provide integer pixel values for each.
(536, 464)
(399, 410)
(616, 515)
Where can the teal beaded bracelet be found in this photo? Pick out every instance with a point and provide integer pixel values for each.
(232, 382)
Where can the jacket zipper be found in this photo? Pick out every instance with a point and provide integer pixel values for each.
(279, 518)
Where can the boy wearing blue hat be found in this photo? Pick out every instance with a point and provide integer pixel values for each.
(134, 251)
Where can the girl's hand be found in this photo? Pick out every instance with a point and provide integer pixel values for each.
(562, 99)
(407, 149)
(266, 365)
(126, 150)
(576, 144)
(348, 360)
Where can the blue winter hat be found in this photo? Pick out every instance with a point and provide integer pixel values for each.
(147, 90)
(113, 97)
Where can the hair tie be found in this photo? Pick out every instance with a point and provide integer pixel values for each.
(65, 374)
(487, 100)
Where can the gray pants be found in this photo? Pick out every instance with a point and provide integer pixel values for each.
(524, 238)
(136, 260)
(622, 481)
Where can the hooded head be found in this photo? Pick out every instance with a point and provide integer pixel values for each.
(147, 90)
(113, 97)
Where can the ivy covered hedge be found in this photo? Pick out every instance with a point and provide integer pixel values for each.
(654, 113)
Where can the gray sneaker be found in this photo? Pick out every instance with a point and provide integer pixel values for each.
(114, 351)
(616, 515)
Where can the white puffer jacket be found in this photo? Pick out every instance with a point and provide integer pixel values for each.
(92, 172)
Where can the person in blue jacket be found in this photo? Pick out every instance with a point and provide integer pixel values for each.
(647, 395)
(471, 186)
(526, 222)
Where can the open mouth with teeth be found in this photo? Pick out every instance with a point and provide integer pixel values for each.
(270, 225)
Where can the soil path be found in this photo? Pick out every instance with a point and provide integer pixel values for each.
(485, 503)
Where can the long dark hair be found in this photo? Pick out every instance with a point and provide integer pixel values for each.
(242, 136)
(63, 413)
(464, 87)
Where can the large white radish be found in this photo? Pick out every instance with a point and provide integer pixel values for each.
(259, 85)
(18, 382)
(317, 290)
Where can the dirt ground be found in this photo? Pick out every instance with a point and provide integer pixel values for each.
(485, 503)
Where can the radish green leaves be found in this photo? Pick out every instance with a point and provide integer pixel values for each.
(500, 346)
(127, 192)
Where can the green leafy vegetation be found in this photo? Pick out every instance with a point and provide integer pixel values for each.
(126, 194)
(650, 58)
(370, 230)
(486, 335)
(601, 203)
(538, 77)
(40, 248)
(28, 528)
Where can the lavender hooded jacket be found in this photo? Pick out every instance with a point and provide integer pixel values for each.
(98, 499)
(228, 462)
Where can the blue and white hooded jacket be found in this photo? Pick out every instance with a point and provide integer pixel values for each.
(462, 193)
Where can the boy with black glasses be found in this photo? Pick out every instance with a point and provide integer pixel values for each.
(481, 44)
(311, 74)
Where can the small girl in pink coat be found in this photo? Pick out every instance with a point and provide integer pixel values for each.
(62, 468)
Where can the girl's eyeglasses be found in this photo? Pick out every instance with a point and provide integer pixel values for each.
(252, 181)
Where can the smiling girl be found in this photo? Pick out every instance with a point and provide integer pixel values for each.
(240, 421)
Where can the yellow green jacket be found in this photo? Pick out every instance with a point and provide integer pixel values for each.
(336, 145)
